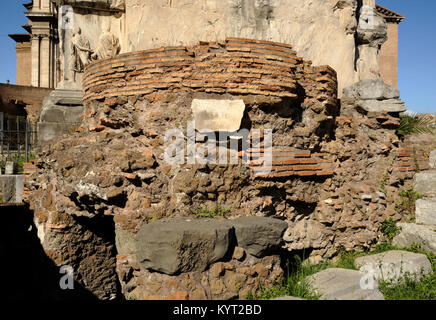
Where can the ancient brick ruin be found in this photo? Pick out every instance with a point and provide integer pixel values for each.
(109, 180)
(294, 93)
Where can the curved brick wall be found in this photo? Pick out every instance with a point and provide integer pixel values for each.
(236, 66)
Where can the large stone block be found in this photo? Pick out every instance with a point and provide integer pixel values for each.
(425, 183)
(173, 246)
(394, 265)
(424, 236)
(48, 131)
(60, 114)
(12, 188)
(391, 105)
(425, 211)
(258, 235)
(343, 284)
(218, 115)
(371, 90)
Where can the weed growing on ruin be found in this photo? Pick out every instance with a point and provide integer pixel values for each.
(295, 284)
(408, 199)
(217, 211)
(409, 288)
(346, 260)
(389, 229)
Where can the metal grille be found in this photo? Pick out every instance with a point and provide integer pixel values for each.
(17, 139)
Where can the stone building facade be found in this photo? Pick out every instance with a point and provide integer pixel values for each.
(136, 25)
(38, 50)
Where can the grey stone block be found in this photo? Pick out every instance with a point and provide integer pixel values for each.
(173, 246)
(124, 241)
(394, 265)
(425, 183)
(260, 236)
(412, 233)
(343, 284)
(12, 188)
(48, 131)
(425, 211)
(371, 90)
(56, 113)
(391, 105)
(11, 168)
(60, 114)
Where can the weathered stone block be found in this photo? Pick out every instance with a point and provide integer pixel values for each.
(12, 187)
(11, 168)
(60, 114)
(391, 105)
(394, 265)
(425, 183)
(218, 115)
(371, 90)
(424, 236)
(179, 245)
(258, 235)
(425, 211)
(343, 284)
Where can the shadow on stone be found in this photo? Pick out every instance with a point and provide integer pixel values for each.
(27, 272)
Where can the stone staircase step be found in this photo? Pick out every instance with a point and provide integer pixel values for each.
(395, 264)
(425, 211)
(412, 233)
(425, 183)
(343, 284)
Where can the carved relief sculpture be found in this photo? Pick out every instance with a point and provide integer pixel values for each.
(80, 52)
(109, 44)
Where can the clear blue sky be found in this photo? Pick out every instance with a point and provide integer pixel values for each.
(417, 52)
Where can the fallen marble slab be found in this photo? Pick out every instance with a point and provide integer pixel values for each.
(425, 211)
(394, 265)
(344, 284)
(412, 233)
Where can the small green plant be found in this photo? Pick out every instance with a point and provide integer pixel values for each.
(217, 211)
(408, 200)
(346, 260)
(416, 124)
(410, 288)
(389, 229)
(295, 283)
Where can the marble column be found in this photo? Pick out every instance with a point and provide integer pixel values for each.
(45, 62)
(35, 53)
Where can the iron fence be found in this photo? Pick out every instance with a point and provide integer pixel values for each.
(17, 139)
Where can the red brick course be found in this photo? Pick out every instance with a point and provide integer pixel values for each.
(409, 160)
(236, 66)
(288, 162)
